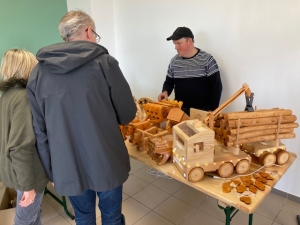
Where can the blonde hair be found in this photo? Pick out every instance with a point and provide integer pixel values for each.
(73, 23)
(17, 63)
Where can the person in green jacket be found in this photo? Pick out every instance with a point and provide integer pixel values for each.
(20, 165)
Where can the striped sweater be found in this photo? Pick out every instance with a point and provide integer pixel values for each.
(196, 81)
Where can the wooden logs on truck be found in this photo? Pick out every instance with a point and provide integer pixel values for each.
(261, 125)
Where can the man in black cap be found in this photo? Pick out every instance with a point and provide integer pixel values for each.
(193, 74)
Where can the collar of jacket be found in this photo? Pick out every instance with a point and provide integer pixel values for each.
(13, 83)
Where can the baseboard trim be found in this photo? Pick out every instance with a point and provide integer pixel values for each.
(286, 195)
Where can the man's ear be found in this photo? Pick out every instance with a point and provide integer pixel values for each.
(89, 33)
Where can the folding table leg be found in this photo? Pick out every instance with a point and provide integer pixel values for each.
(61, 202)
(230, 212)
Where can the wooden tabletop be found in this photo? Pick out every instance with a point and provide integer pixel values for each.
(213, 186)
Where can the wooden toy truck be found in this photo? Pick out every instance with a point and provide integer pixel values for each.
(216, 145)
(195, 151)
(257, 132)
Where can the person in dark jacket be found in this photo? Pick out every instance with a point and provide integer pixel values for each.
(20, 166)
(79, 97)
(193, 74)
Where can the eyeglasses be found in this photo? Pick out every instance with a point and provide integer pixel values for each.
(97, 35)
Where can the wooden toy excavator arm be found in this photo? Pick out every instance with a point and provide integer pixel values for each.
(209, 120)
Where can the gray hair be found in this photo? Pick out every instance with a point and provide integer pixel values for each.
(73, 23)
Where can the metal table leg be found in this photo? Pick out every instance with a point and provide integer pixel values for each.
(61, 202)
(230, 212)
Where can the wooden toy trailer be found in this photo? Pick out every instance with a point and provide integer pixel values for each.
(141, 137)
(267, 152)
(258, 132)
(196, 152)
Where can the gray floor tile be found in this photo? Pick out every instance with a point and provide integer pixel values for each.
(153, 218)
(271, 206)
(72, 222)
(144, 174)
(133, 211)
(288, 213)
(199, 217)
(210, 206)
(275, 223)
(190, 195)
(243, 218)
(151, 196)
(48, 212)
(58, 207)
(58, 220)
(135, 165)
(98, 221)
(134, 185)
(174, 210)
(124, 196)
(168, 185)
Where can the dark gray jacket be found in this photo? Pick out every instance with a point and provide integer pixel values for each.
(78, 97)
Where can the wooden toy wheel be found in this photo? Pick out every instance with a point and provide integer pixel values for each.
(242, 166)
(268, 159)
(196, 174)
(225, 170)
(261, 157)
(282, 157)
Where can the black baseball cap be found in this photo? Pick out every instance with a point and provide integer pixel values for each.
(181, 32)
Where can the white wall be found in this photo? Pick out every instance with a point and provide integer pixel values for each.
(102, 13)
(254, 42)
(84, 5)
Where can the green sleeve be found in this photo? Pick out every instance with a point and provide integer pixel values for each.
(22, 142)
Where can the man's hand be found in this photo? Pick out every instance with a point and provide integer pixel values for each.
(163, 95)
(27, 198)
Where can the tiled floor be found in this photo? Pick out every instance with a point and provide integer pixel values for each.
(150, 200)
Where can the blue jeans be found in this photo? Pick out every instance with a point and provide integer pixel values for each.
(110, 205)
(29, 215)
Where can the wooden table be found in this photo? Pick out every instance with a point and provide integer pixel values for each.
(213, 187)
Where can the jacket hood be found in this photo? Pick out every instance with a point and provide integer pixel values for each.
(64, 57)
(12, 83)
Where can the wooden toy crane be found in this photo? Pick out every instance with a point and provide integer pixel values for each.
(209, 120)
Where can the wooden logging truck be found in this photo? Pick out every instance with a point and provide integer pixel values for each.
(257, 132)
(227, 142)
